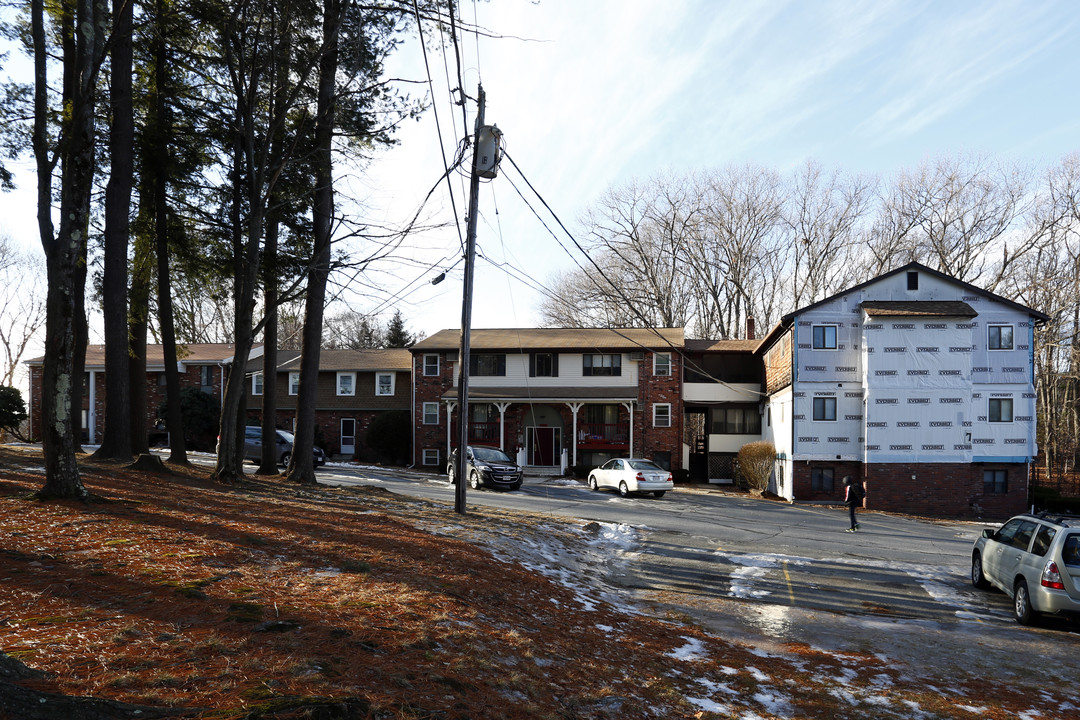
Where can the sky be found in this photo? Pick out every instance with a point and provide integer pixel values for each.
(593, 95)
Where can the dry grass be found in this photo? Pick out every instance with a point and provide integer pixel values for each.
(269, 600)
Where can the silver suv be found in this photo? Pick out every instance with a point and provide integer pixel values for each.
(1035, 560)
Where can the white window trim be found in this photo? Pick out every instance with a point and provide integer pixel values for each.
(836, 336)
(426, 407)
(341, 375)
(256, 383)
(656, 364)
(430, 456)
(378, 385)
(656, 417)
(438, 366)
(294, 383)
(1012, 334)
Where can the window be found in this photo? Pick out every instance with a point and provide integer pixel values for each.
(824, 337)
(825, 408)
(431, 413)
(598, 365)
(1000, 337)
(431, 456)
(995, 482)
(346, 383)
(294, 383)
(821, 479)
(1001, 410)
(661, 363)
(543, 365)
(431, 366)
(384, 383)
(661, 415)
(913, 281)
(206, 378)
(736, 421)
(257, 383)
(1043, 538)
(487, 364)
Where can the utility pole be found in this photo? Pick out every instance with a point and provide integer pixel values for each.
(466, 316)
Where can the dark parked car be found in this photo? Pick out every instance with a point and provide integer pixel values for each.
(1035, 560)
(284, 443)
(489, 467)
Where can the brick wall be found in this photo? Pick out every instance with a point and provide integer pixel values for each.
(653, 390)
(934, 489)
(430, 389)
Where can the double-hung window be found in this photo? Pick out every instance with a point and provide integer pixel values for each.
(825, 408)
(431, 366)
(431, 413)
(995, 481)
(346, 383)
(661, 414)
(294, 383)
(661, 363)
(384, 383)
(257, 383)
(821, 479)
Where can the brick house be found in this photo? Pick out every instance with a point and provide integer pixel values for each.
(354, 387)
(201, 365)
(914, 382)
(553, 397)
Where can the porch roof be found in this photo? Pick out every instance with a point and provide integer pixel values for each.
(547, 394)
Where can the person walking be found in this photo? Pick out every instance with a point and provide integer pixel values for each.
(853, 496)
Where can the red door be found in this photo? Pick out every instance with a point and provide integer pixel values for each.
(543, 446)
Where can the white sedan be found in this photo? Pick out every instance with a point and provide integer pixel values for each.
(632, 475)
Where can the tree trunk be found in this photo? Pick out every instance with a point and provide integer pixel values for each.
(301, 467)
(268, 462)
(116, 438)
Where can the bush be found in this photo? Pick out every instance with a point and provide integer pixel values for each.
(680, 475)
(756, 462)
(580, 471)
(201, 417)
(12, 410)
(1050, 500)
(388, 438)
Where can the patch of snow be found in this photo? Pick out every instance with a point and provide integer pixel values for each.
(757, 674)
(1030, 714)
(773, 703)
(708, 705)
(973, 709)
(606, 628)
(692, 651)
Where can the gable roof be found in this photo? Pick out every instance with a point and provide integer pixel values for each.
(786, 320)
(696, 346)
(565, 339)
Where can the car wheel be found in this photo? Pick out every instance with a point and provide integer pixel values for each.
(592, 483)
(474, 480)
(451, 473)
(285, 457)
(659, 493)
(1025, 614)
(623, 490)
(977, 577)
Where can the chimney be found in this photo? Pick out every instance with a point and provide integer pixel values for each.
(750, 329)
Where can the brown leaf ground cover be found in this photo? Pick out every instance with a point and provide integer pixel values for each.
(182, 598)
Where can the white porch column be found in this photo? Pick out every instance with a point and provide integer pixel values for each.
(502, 423)
(91, 413)
(630, 407)
(574, 407)
(450, 405)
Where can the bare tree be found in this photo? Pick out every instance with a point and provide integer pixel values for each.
(22, 307)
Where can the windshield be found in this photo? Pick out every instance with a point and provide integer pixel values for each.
(286, 436)
(488, 454)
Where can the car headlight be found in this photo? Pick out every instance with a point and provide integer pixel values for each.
(483, 468)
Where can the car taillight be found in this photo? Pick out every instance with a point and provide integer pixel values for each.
(1051, 578)
(641, 477)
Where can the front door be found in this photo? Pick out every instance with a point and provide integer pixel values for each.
(543, 446)
(348, 436)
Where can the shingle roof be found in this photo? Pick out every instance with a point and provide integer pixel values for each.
(544, 394)
(361, 360)
(722, 345)
(191, 354)
(918, 308)
(556, 339)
